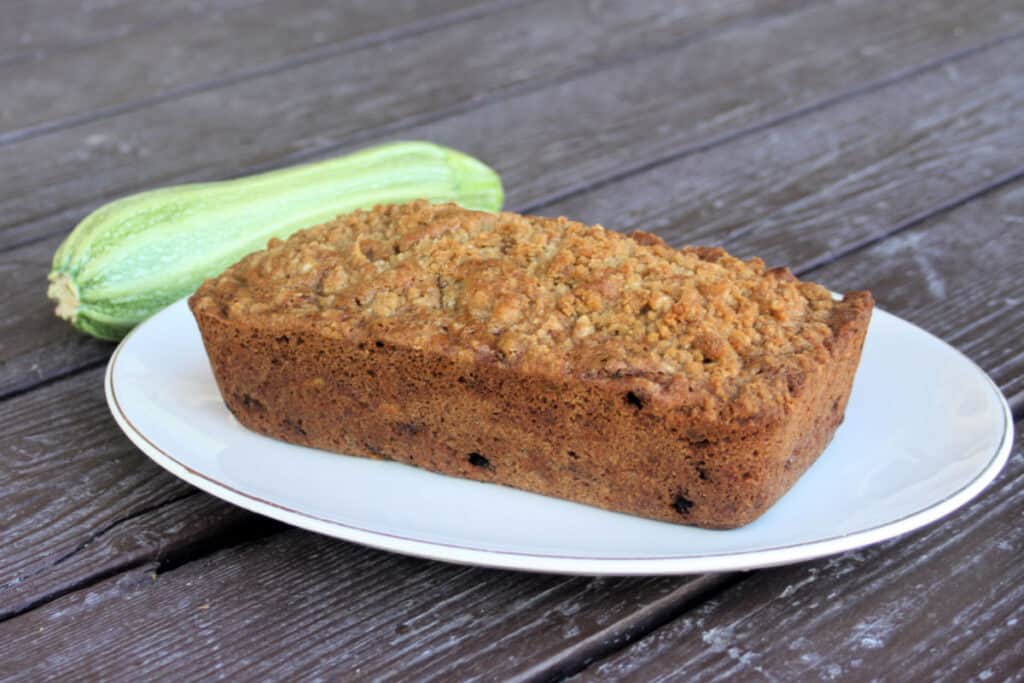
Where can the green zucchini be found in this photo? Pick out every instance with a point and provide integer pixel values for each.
(134, 256)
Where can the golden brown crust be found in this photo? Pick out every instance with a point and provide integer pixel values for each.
(682, 385)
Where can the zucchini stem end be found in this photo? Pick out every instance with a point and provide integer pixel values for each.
(62, 289)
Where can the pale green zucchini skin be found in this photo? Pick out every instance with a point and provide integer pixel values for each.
(134, 256)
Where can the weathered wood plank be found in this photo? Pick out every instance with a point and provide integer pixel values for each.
(957, 276)
(522, 645)
(201, 49)
(300, 587)
(606, 122)
(80, 501)
(791, 193)
(944, 603)
(27, 272)
(337, 608)
(163, 535)
(33, 321)
(36, 29)
(35, 345)
(800, 192)
(456, 647)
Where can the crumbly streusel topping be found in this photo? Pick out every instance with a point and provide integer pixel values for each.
(543, 295)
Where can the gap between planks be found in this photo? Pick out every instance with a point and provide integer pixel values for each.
(92, 579)
(256, 528)
(151, 566)
(319, 54)
(375, 132)
(33, 54)
(593, 648)
(731, 136)
(906, 224)
(67, 374)
(630, 57)
(623, 633)
(945, 207)
(958, 201)
(669, 157)
(924, 206)
(1017, 407)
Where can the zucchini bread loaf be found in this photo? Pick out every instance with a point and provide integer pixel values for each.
(564, 359)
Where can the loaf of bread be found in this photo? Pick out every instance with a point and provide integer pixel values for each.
(568, 360)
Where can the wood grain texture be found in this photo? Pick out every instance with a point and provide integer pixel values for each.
(891, 269)
(793, 193)
(335, 611)
(25, 271)
(607, 121)
(245, 620)
(81, 501)
(43, 346)
(105, 510)
(957, 276)
(35, 345)
(201, 50)
(943, 603)
(806, 190)
(164, 535)
(37, 29)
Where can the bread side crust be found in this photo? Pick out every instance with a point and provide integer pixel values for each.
(597, 442)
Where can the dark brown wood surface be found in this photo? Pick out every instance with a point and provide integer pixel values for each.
(601, 120)
(528, 131)
(866, 144)
(859, 154)
(177, 51)
(944, 603)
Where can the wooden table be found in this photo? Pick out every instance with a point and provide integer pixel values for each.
(865, 143)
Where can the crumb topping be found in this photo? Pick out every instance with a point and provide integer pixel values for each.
(541, 295)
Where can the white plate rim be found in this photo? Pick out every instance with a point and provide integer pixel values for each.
(653, 565)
